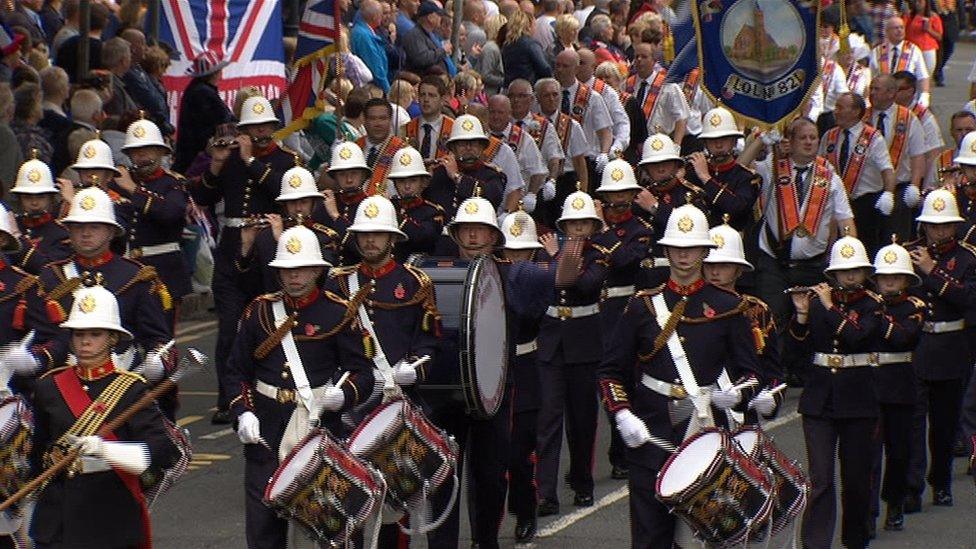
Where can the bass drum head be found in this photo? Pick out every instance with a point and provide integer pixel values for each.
(484, 338)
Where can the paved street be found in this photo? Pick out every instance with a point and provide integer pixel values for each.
(206, 509)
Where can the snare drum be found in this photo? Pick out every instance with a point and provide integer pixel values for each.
(792, 487)
(16, 431)
(413, 455)
(325, 489)
(473, 354)
(721, 493)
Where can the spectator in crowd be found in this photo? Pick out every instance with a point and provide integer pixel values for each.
(27, 114)
(422, 46)
(609, 72)
(24, 14)
(367, 44)
(68, 28)
(139, 84)
(322, 131)
(355, 69)
(54, 90)
(923, 27)
(22, 75)
(196, 125)
(567, 34)
(880, 11)
(487, 59)
(545, 27)
(522, 56)
(67, 56)
(10, 49)
(949, 13)
(602, 44)
(388, 32)
(51, 18)
(86, 111)
(117, 58)
(155, 62)
(11, 156)
(406, 11)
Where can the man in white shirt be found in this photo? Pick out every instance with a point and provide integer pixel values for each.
(897, 54)
(428, 132)
(621, 124)
(833, 82)
(905, 96)
(906, 148)
(545, 25)
(573, 143)
(654, 105)
(533, 170)
(587, 108)
(859, 155)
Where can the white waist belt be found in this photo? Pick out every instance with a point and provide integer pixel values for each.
(828, 360)
(280, 394)
(235, 222)
(670, 390)
(526, 348)
(563, 312)
(618, 291)
(894, 358)
(158, 249)
(89, 464)
(944, 326)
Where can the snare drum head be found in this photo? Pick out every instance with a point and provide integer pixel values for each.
(9, 411)
(747, 438)
(293, 465)
(372, 429)
(484, 337)
(686, 466)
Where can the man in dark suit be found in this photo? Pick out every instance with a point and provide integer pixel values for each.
(423, 49)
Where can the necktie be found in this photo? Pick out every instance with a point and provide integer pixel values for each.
(881, 119)
(894, 59)
(371, 157)
(641, 93)
(800, 182)
(845, 149)
(425, 145)
(565, 107)
(519, 123)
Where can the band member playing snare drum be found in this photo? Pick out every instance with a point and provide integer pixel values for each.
(695, 340)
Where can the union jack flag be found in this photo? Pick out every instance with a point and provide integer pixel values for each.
(317, 36)
(247, 33)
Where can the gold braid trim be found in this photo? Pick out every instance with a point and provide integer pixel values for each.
(275, 337)
(65, 288)
(739, 309)
(676, 315)
(352, 308)
(22, 286)
(144, 274)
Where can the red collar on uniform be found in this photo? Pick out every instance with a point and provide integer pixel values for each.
(847, 296)
(260, 153)
(154, 176)
(95, 261)
(619, 218)
(386, 269)
(352, 198)
(662, 189)
(98, 372)
(895, 299)
(690, 289)
(31, 221)
(411, 203)
(3, 264)
(722, 168)
(302, 302)
(945, 247)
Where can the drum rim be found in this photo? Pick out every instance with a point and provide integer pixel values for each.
(469, 379)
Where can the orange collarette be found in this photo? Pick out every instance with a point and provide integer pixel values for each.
(382, 271)
(302, 302)
(690, 289)
(92, 262)
(98, 372)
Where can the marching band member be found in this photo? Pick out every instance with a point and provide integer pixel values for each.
(570, 347)
(950, 171)
(860, 158)
(298, 200)
(840, 417)
(95, 167)
(617, 190)
(906, 97)
(421, 220)
(20, 302)
(965, 159)
(44, 238)
(901, 317)
(244, 173)
(349, 172)
(675, 340)
(944, 353)
(288, 350)
(159, 201)
(112, 470)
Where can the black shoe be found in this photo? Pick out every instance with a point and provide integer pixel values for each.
(959, 449)
(524, 530)
(894, 518)
(794, 380)
(940, 83)
(619, 473)
(548, 507)
(872, 528)
(221, 417)
(913, 504)
(942, 498)
(583, 500)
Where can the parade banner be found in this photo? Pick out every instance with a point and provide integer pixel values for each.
(685, 42)
(758, 57)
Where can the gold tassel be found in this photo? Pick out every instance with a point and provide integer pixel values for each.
(759, 338)
(368, 346)
(669, 327)
(164, 296)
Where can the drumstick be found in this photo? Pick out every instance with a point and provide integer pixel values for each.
(663, 444)
(777, 389)
(422, 360)
(748, 383)
(343, 379)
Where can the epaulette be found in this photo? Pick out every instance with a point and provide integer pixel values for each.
(650, 292)
(436, 206)
(874, 296)
(647, 224)
(270, 297)
(175, 175)
(137, 377)
(969, 247)
(918, 302)
(342, 270)
(53, 371)
(422, 277)
(755, 301)
(286, 150)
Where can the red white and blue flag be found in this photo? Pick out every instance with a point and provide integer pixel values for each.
(318, 33)
(247, 33)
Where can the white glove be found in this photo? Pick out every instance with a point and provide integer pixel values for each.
(91, 446)
(528, 202)
(548, 190)
(20, 360)
(923, 99)
(632, 429)
(885, 203)
(404, 374)
(771, 137)
(601, 161)
(912, 196)
(152, 367)
(764, 403)
(124, 360)
(723, 400)
(249, 428)
(131, 457)
(333, 399)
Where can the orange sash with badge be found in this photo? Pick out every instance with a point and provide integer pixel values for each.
(856, 156)
(884, 62)
(515, 137)
(691, 84)
(652, 92)
(789, 201)
(828, 75)
(494, 144)
(580, 102)
(897, 146)
(599, 86)
(384, 160)
(854, 73)
(563, 125)
(539, 133)
(413, 135)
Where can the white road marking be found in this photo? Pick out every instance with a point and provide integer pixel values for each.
(565, 522)
(216, 434)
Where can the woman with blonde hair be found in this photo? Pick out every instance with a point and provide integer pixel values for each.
(609, 72)
(567, 33)
(522, 56)
(487, 59)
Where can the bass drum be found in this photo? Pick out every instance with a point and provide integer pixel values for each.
(472, 360)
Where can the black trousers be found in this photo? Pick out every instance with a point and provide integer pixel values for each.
(938, 405)
(610, 312)
(852, 440)
(902, 218)
(568, 392)
(522, 499)
(263, 528)
(482, 444)
(231, 294)
(651, 523)
(950, 24)
(869, 222)
(896, 445)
